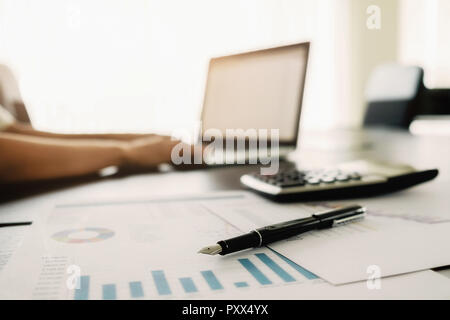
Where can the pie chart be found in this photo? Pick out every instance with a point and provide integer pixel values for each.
(83, 235)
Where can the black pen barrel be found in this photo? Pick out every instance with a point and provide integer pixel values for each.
(284, 231)
(246, 241)
(288, 229)
(266, 235)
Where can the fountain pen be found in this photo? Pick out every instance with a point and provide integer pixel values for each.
(284, 230)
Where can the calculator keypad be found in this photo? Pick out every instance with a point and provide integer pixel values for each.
(295, 178)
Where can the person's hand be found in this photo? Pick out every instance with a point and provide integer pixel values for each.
(148, 152)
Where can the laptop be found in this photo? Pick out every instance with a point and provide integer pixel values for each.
(256, 91)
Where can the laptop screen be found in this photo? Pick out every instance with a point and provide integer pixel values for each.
(257, 90)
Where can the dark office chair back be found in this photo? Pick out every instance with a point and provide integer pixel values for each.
(393, 95)
(436, 102)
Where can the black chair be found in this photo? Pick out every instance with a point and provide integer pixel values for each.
(435, 102)
(394, 94)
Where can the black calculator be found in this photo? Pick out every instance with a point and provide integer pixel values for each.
(350, 180)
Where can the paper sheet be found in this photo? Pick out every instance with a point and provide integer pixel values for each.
(10, 240)
(148, 250)
(418, 285)
(19, 211)
(396, 243)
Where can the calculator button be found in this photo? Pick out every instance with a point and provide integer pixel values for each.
(355, 176)
(329, 179)
(313, 181)
(331, 173)
(342, 178)
(292, 184)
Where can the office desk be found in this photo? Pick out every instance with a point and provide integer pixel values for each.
(316, 149)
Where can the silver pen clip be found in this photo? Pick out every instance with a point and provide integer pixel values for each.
(343, 221)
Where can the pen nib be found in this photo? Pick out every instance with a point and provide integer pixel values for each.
(211, 250)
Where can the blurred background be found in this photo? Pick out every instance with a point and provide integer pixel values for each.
(116, 65)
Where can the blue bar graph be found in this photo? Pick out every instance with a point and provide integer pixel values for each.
(161, 282)
(254, 271)
(83, 292)
(211, 279)
(241, 284)
(275, 267)
(307, 274)
(136, 289)
(109, 291)
(188, 285)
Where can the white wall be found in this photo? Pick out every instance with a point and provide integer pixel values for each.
(424, 38)
(367, 49)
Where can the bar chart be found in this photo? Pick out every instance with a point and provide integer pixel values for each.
(154, 253)
(262, 269)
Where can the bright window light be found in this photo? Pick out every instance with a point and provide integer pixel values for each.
(110, 65)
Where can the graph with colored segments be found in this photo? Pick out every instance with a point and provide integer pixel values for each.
(273, 270)
(114, 250)
(148, 250)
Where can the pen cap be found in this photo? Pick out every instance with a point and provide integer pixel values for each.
(328, 218)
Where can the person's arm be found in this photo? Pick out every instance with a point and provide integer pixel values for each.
(26, 129)
(25, 158)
